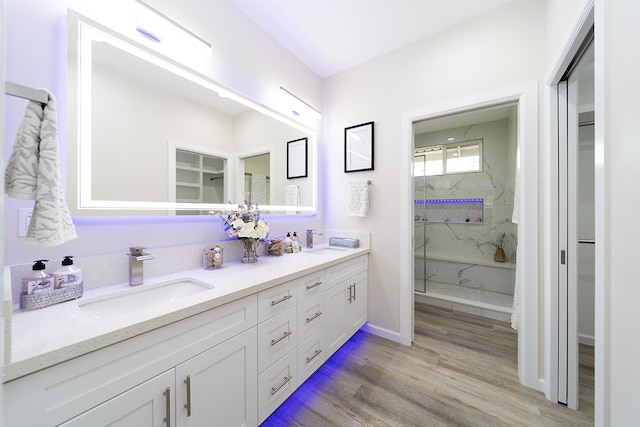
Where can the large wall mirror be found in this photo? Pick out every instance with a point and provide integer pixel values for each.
(148, 136)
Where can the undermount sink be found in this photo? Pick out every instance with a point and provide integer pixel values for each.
(326, 250)
(135, 298)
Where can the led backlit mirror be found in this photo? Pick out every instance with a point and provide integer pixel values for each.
(148, 136)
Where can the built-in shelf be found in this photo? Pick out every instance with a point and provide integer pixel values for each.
(467, 260)
(195, 175)
(455, 211)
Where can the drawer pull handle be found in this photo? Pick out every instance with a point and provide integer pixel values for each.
(316, 354)
(314, 317)
(315, 285)
(274, 390)
(188, 404)
(167, 398)
(283, 299)
(285, 335)
(350, 293)
(354, 291)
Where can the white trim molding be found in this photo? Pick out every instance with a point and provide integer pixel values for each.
(526, 96)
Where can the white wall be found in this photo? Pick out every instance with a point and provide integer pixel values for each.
(244, 58)
(478, 56)
(617, 158)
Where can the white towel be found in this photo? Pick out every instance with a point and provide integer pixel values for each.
(292, 197)
(358, 198)
(33, 173)
(258, 189)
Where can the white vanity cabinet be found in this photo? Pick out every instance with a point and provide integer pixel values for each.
(216, 385)
(232, 365)
(346, 301)
(126, 383)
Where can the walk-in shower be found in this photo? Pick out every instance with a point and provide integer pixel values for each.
(464, 196)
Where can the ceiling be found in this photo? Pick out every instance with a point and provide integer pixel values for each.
(331, 36)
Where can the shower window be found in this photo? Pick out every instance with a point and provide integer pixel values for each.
(448, 159)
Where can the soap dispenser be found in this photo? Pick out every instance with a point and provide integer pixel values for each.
(68, 274)
(39, 280)
(296, 246)
(288, 244)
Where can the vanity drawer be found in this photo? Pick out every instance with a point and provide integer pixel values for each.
(312, 353)
(341, 272)
(276, 337)
(311, 316)
(277, 300)
(276, 384)
(311, 285)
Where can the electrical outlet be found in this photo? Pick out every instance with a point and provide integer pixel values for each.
(24, 218)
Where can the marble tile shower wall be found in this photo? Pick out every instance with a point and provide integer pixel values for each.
(495, 185)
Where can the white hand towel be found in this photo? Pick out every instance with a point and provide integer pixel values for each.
(258, 189)
(358, 198)
(33, 173)
(292, 197)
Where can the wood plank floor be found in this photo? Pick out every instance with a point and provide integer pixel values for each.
(461, 371)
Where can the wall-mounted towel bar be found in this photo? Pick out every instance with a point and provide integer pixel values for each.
(26, 92)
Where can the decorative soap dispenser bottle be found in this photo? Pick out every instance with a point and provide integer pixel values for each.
(296, 246)
(39, 280)
(68, 274)
(288, 244)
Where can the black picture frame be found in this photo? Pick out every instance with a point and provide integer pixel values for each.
(358, 147)
(297, 158)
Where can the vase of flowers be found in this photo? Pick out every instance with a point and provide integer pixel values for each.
(244, 223)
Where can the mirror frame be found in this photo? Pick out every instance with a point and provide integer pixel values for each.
(81, 34)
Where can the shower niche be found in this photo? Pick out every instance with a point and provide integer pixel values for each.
(461, 211)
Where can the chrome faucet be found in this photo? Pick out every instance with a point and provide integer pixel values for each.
(136, 269)
(310, 234)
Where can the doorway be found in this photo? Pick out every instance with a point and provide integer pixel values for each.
(464, 190)
(526, 98)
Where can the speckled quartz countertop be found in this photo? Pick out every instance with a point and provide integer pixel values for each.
(54, 334)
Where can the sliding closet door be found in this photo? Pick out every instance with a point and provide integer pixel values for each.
(570, 105)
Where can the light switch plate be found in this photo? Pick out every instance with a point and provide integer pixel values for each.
(24, 218)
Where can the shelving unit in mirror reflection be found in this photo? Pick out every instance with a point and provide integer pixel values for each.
(457, 211)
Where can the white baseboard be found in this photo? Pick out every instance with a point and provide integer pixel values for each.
(382, 332)
(586, 340)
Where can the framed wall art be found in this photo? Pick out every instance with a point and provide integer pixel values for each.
(358, 147)
(297, 158)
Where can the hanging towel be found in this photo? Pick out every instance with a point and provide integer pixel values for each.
(33, 173)
(358, 198)
(515, 308)
(258, 189)
(292, 197)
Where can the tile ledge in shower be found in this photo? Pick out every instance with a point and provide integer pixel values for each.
(467, 260)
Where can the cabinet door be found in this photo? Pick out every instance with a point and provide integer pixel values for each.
(335, 323)
(357, 314)
(142, 406)
(219, 386)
